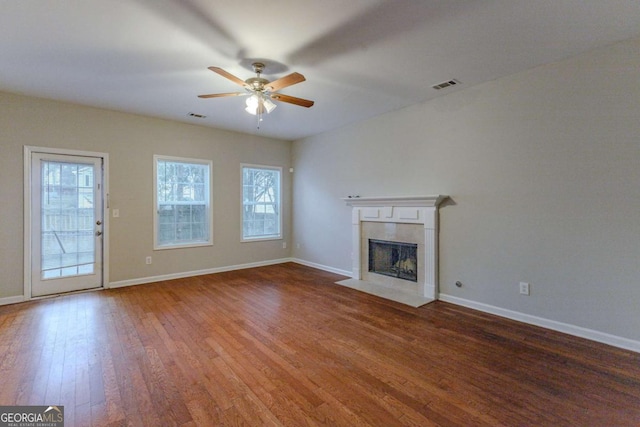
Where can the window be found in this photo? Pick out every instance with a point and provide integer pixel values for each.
(182, 202)
(261, 218)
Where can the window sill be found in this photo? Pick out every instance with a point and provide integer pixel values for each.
(260, 239)
(186, 245)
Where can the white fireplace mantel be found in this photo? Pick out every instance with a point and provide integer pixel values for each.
(421, 210)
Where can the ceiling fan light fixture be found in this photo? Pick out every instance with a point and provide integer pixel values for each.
(268, 105)
(253, 102)
(258, 104)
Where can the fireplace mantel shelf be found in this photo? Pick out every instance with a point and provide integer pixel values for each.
(422, 201)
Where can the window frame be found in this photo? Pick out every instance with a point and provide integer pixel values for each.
(279, 235)
(208, 203)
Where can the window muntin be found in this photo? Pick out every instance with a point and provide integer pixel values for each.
(261, 203)
(182, 202)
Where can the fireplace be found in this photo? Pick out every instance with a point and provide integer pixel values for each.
(395, 247)
(394, 259)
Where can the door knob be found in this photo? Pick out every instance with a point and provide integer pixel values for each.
(98, 233)
(98, 222)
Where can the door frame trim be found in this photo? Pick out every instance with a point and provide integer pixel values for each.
(28, 151)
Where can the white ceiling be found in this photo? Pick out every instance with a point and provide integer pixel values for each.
(361, 58)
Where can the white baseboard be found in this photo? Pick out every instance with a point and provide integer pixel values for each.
(151, 279)
(11, 300)
(566, 328)
(322, 267)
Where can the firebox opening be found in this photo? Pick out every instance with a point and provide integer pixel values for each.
(394, 259)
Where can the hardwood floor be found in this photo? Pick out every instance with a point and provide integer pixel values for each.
(284, 345)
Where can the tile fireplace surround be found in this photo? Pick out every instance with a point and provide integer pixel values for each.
(397, 219)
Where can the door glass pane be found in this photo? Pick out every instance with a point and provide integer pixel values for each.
(67, 233)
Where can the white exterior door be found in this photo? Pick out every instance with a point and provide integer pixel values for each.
(66, 223)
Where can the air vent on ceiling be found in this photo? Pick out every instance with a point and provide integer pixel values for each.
(446, 84)
(197, 116)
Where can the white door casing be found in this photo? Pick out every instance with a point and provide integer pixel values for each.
(65, 221)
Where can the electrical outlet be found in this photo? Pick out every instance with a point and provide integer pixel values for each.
(297, 245)
(524, 288)
(148, 260)
(284, 245)
(116, 213)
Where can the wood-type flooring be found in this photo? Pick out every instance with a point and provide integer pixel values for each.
(284, 345)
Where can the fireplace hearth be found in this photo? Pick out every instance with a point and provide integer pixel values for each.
(394, 259)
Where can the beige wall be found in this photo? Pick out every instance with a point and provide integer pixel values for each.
(543, 168)
(131, 141)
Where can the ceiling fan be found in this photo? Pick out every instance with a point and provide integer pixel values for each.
(261, 91)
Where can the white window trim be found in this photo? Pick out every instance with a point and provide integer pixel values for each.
(158, 247)
(260, 238)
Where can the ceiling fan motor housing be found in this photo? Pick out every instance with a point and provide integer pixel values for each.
(256, 83)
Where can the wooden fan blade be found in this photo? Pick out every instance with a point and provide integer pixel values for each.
(285, 81)
(292, 100)
(220, 95)
(229, 76)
